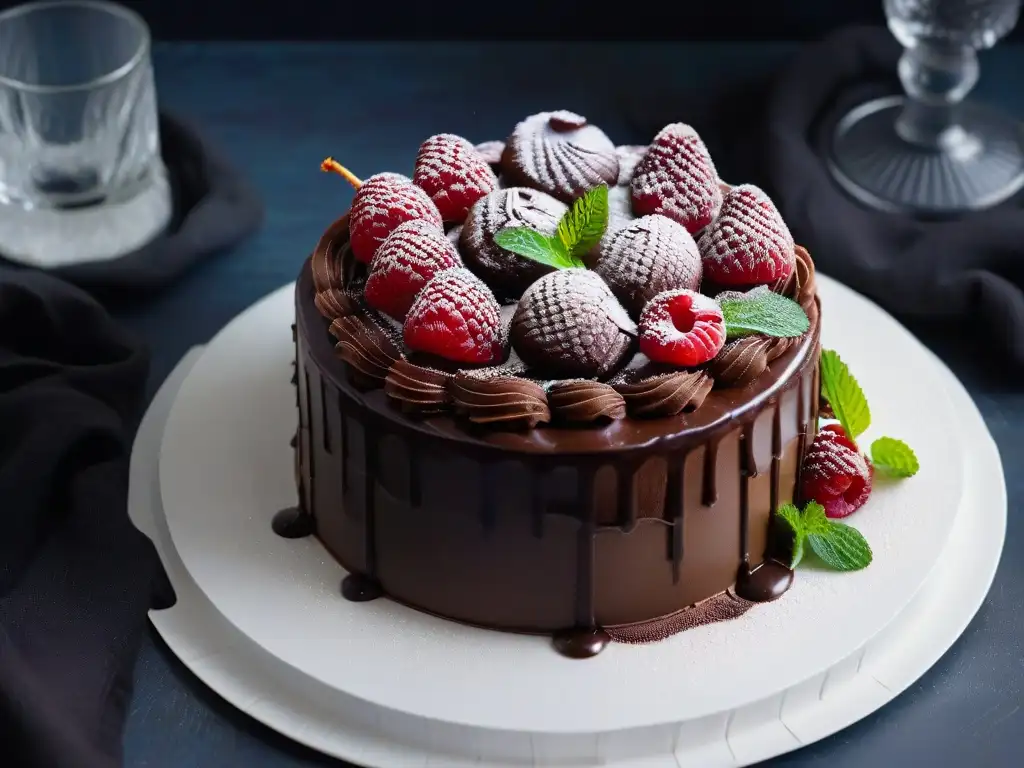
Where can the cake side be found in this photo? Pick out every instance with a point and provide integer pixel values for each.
(562, 387)
(474, 530)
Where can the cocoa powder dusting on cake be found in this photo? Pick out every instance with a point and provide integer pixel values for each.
(721, 607)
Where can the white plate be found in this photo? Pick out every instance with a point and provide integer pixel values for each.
(735, 734)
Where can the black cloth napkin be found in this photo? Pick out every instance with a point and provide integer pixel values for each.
(215, 208)
(75, 575)
(965, 275)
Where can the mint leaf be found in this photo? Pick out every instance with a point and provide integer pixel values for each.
(536, 247)
(583, 225)
(813, 519)
(844, 395)
(791, 515)
(841, 548)
(894, 457)
(762, 311)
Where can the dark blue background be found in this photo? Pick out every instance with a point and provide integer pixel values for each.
(500, 19)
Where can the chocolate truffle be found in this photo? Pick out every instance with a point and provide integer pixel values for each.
(561, 154)
(648, 256)
(569, 325)
(508, 274)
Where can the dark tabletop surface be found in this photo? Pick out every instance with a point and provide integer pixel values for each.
(279, 109)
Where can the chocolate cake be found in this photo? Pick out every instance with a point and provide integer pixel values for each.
(555, 386)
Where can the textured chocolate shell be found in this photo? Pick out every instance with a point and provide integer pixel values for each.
(648, 256)
(508, 274)
(561, 154)
(569, 325)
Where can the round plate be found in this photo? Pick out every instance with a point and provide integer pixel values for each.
(226, 467)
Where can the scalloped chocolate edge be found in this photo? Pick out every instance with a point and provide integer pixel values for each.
(501, 396)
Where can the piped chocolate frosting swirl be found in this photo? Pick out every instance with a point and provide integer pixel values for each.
(585, 402)
(369, 346)
(499, 398)
(650, 391)
(332, 299)
(417, 388)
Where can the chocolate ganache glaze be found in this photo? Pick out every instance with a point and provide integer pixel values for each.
(624, 509)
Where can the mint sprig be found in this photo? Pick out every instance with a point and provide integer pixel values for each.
(763, 311)
(844, 395)
(894, 457)
(838, 546)
(581, 228)
(583, 225)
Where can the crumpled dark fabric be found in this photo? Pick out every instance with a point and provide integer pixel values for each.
(959, 280)
(76, 578)
(966, 275)
(215, 208)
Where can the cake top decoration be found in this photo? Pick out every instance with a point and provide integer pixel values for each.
(573, 258)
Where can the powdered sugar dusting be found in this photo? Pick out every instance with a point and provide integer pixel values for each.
(384, 201)
(749, 242)
(547, 151)
(648, 256)
(457, 317)
(508, 273)
(831, 462)
(630, 156)
(682, 328)
(678, 179)
(569, 324)
(453, 173)
(412, 254)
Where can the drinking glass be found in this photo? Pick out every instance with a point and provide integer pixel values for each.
(81, 177)
(929, 152)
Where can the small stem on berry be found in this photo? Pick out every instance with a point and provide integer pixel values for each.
(330, 165)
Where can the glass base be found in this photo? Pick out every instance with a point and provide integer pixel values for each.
(979, 165)
(48, 238)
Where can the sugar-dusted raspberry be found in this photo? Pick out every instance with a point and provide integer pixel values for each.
(648, 256)
(412, 254)
(835, 473)
(749, 243)
(677, 178)
(381, 203)
(456, 317)
(681, 328)
(453, 173)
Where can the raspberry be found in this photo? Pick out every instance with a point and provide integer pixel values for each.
(835, 474)
(749, 243)
(677, 178)
(404, 263)
(381, 203)
(456, 317)
(454, 174)
(681, 328)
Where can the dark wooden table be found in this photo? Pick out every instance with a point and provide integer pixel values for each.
(279, 109)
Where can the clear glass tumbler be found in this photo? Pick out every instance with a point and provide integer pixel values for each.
(81, 177)
(930, 152)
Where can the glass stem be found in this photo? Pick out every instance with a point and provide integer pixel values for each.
(936, 77)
